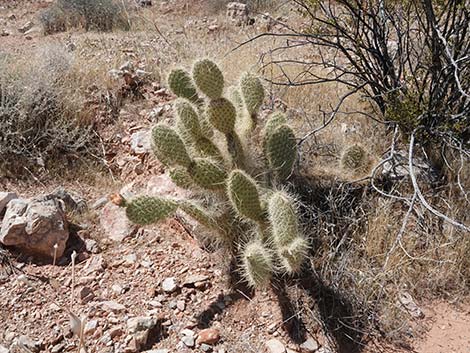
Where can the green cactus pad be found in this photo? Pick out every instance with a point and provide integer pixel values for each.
(293, 255)
(353, 158)
(199, 214)
(207, 148)
(169, 147)
(236, 97)
(182, 85)
(180, 177)
(252, 91)
(283, 219)
(222, 115)
(207, 174)
(147, 210)
(281, 151)
(187, 119)
(243, 194)
(257, 264)
(275, 120)
(209, 79)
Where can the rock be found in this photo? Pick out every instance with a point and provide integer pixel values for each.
(145, 3)
(4, 33)
(92, 246)
(193, 279)
(11, 17)
(130, 259)
(28, 344)
(188, 341)
(237, 13)
(58, 348)
(397, 168)
(4, 349)
(117, 289)
(142, 323)
(114, 222)
(35, 226)
(115, 73)
(213, 28)
(112, 306)
(141, 142)
(115, 332)
(181, 305)
(275, 346)
(206, 348)
(310, 345)
(72, 202)
(26, 27)
(90, 327)
(162, 185)
(5, 198)
(208, 336)
(96, 264)
(169, 285)
(406, 300)
(86, 294)
(158, 351)
(99, 203)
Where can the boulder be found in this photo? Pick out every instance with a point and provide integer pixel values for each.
(35, 226)
(5, 198)
(114, 222)
(237, 12)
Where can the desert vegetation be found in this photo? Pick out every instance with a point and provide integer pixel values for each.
(305, 163)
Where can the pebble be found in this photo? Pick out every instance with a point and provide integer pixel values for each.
(90, 327)
(112, 306)
(275, 346)
(310, 345)
(188, 341)
(181, 305)
(206, 348)
(169, 285)
(208, 336)
(142, 323)
(29, 344)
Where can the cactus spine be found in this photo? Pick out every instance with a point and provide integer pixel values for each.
(205, 153)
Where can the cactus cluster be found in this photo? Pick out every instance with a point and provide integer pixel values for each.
(354, 158)
(212, 149)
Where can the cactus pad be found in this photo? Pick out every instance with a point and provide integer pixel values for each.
(207, 174)
(353, 158)
(281, 151)
(283, 218)
(180, 177)
(147, 210)
(243, 194)
(253, 92)
(257, 264)
(222, 115)
(187, 119)
(208, 78)
(293, 255)
(169, 147)
(182, 85)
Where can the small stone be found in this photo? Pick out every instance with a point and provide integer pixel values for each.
(86, 294)
(206, 348)
(158, 351)
(58, 348)
(169, 285)
(208, 336)
(130, 259)
(193, 279)
(26, 27)
(96, 264)
(4, 349)
(310, 345)
(99, 203)
(275, 346)
(115, 332)
(142, 323)
(90, 327)
(117, 289)
(141, 142)
(180, 304)
(92, 246)
(113, 306)
(188, 341)
(28, 344)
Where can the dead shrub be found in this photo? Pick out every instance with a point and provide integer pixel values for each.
(100, 15)
(40, 114)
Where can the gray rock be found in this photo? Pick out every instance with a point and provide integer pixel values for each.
(141, 142)
(5, 198)
(72, 201)
(28, 344)
(114, 222)
(26, 27)
(92, 246)
(169, 285)
(310, 345)
(143, 323)
(237, 12)
(206, 348)
(188, 341)
(112, 306)
(99, 203)
(4, 349)
(35, 226)
(275, 346)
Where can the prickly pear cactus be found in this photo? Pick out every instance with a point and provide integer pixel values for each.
(354, 157)
(212, 150)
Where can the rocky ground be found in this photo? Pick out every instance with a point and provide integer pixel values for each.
(155, 289)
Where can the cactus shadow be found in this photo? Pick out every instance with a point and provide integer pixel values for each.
(240, 291)
(343, 323)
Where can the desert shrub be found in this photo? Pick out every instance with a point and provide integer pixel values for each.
(101, 15)
(215, 149)
(40, 118)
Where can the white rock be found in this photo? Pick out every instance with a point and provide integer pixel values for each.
(114, 222)
(141, 142)
(112, 306)
(5, 198)
(310, 345)
(142, 323)
(169, 285)
(4, 349)
(275, 346)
